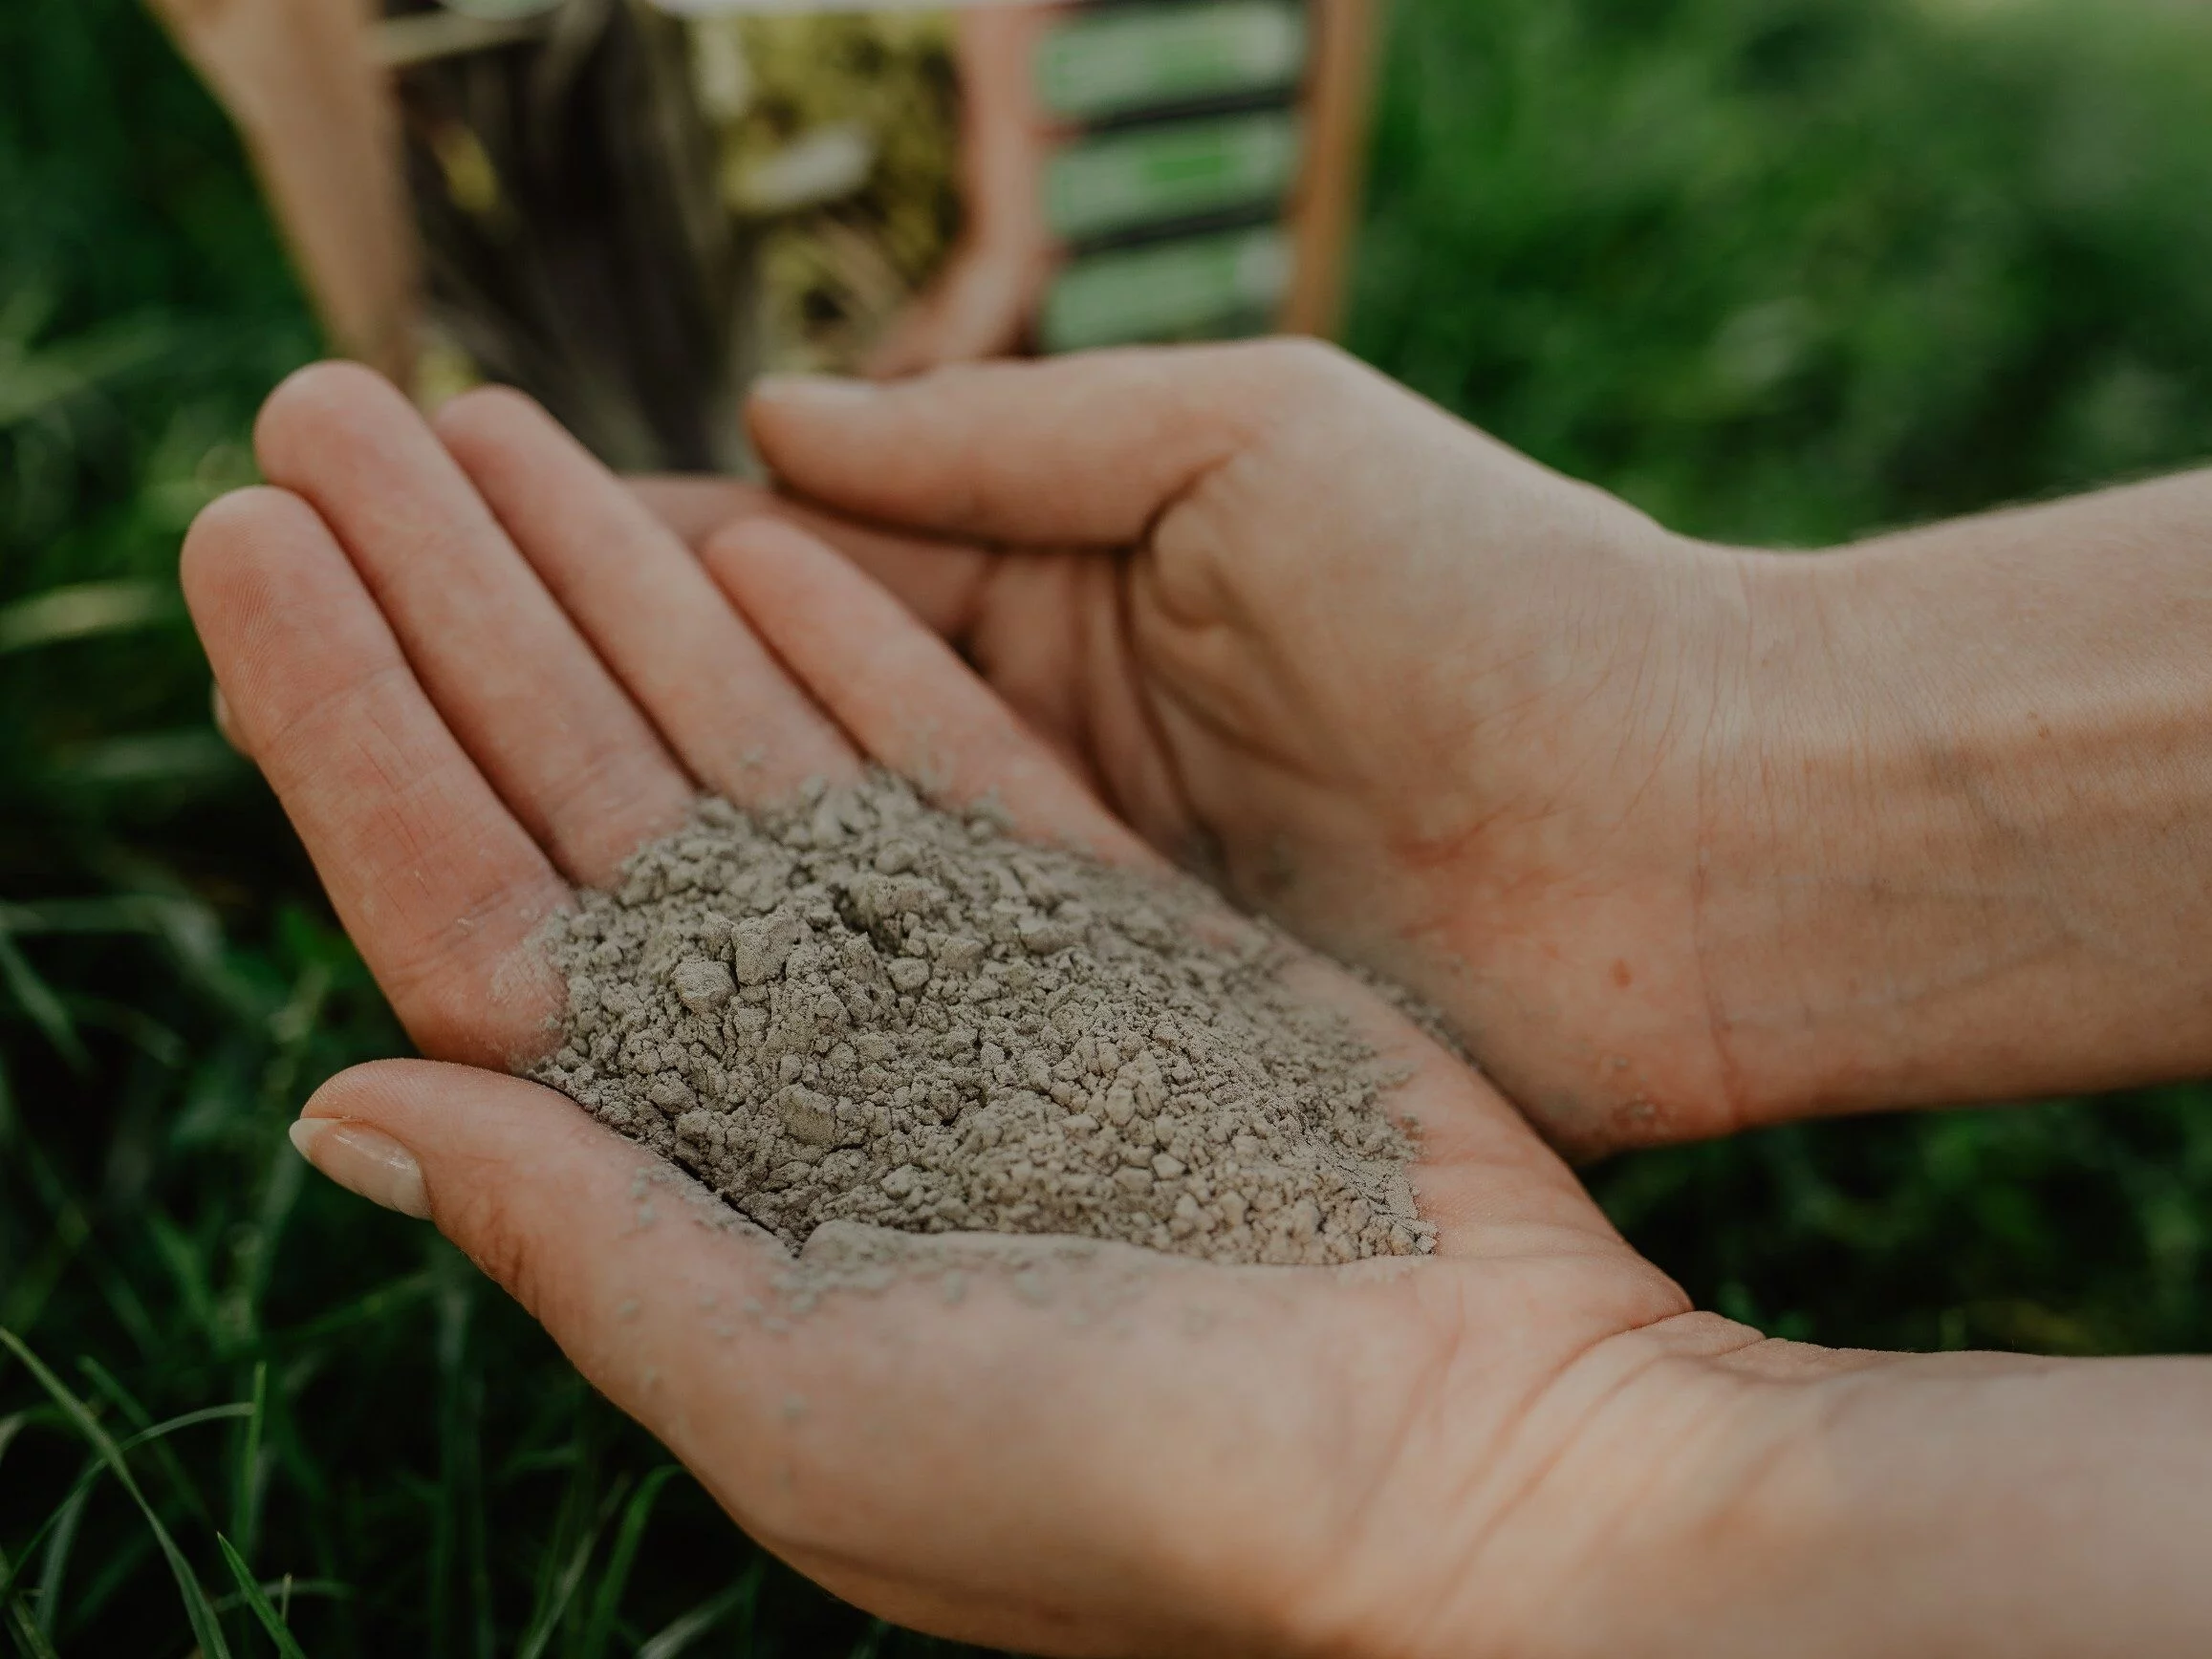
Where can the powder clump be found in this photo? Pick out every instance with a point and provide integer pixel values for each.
(861, 1008)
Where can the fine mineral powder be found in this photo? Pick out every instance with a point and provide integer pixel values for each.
(861, 1008)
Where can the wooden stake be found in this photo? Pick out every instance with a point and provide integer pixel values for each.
(1326, 211)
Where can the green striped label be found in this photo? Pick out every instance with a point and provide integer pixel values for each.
(1175, 290)
(1128, 179)
(1113, 63)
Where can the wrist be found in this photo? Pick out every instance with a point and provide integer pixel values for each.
(1739, 1495)
(1951, 1503)
(1648, 1503)
(1955, 841)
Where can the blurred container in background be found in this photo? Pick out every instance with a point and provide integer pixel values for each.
(630, 208)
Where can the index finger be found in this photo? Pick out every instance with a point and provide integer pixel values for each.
(427, 869)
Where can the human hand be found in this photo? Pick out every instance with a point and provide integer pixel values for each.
(473, 688)
(1436, 709)
(1682, 837)
(475, 685)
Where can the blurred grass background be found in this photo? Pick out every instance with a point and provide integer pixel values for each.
(1779, 271)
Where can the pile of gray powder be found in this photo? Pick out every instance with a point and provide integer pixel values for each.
(863, 1008)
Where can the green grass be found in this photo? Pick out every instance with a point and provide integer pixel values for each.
(1778, 270)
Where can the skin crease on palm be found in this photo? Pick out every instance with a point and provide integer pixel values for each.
(477, 672)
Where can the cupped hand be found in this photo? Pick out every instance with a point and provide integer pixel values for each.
(478, 674)
(1438, 709)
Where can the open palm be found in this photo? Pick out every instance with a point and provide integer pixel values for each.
(479, 674)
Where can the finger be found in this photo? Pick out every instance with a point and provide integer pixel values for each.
(430, 874)
(902, 693)
(1088, 450)
(941, 581)
(655, 617)
(626, 1262)
(572, 755)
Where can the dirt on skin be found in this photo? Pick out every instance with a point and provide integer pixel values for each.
(861, 1008)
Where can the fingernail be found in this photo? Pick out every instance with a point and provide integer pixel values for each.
(364, 1161)
(813, 390)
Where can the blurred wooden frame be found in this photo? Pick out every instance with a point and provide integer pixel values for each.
(1324, 213)
(309, 84)
(317, 118)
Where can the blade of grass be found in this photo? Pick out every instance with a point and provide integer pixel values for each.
(188, 1269)
(97, 1467)
(11, 1426)
(55, 1559)
(563, 1588)
(27, 1297)
(151, 901)
(85, 610)
(245, 1497)
(25, 313)
(676, 1637)
(284, 1589)
(187, 924)
(118, 1576)
(122, 1301)
(70, 1238)
(66, 1230)
(205, 1629)
(122, 913)
(40, 1002)
(607, 1600)
(371, 1308)
(287, 1645)
(133, 1025)
(143, 1420)
(190, 755)
(460, 1571)
(285, 1178)
(29, 1640)
(556, 1557)
(38, 381)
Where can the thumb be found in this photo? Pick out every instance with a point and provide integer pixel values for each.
(603, 1242)
(667, 1303)
(1086, 450)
